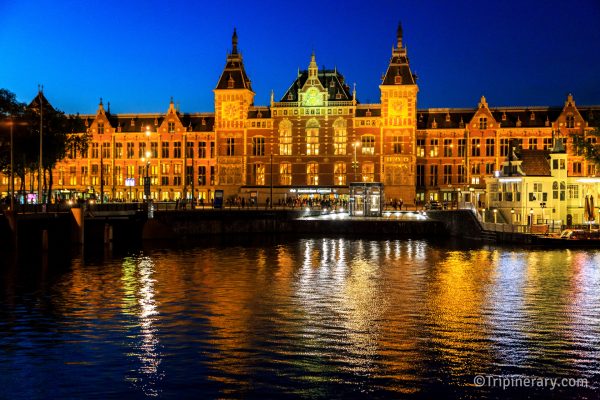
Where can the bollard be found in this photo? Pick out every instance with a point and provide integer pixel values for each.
(45, 240)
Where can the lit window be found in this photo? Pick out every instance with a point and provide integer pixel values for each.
(368, 144)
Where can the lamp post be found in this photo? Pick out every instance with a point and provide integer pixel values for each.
(495, 215)
(40, 168)
(148, 154)
(271, 178)
(355, 162)
(512, 216)
(146, 175)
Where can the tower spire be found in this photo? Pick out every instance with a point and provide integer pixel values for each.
(399, 35)
(234, 42)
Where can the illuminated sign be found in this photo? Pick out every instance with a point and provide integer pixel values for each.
(130, 182)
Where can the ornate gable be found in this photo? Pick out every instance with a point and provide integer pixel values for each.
(101, 124)
(483, 118)
(171, 123)
(570, 117)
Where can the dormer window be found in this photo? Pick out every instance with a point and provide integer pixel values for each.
(203, 122)
(398, 79)
(518, 121)
(100, 128)
(290, 96)
(338, 96)
(570, 121)
(171, 127)
(448, 117)
(532, 116)
(483, 123)
(434, 124)
(132, 122)
(368, 113)
(331, 83)
(230, 83)
(547, 122)
(503, 116)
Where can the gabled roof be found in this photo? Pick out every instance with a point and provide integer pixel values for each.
(444, 118)
(330, 79)
(534, 162)
(399, 65)
(234, 75)
(35, 103)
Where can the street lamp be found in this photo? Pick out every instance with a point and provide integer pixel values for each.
(355, 162)
(147, 176)
(271, 178)
(512, 215)
(495, 215)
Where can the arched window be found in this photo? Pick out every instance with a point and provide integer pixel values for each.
(555, 190)
(312, 137)
(285, 137)
(340, 137)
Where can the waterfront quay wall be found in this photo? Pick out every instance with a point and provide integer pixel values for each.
(174, 224)
(458, 223)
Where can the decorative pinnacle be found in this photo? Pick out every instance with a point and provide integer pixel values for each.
(234, 42)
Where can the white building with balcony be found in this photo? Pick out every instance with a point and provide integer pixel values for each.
(533, 188)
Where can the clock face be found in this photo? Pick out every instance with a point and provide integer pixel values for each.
(313, 97)
(230, 110)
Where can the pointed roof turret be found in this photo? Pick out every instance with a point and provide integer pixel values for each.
(399, 35)
(234, 74)
(234, 42)
(398, 71)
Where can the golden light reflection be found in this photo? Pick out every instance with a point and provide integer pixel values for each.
(455, 301)
(139, 300)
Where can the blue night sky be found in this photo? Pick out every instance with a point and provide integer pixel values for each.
(137, 54)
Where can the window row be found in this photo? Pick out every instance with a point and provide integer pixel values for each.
(478, 147)
(150, 150)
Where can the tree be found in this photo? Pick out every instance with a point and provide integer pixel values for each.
(15, 112)
(61, 135)
(588, 145)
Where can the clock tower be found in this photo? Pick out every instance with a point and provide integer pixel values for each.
(233, 98)
(398, 125)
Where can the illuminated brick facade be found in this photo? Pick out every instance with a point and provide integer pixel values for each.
(315, 140)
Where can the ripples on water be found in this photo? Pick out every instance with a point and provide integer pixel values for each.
(315, 318)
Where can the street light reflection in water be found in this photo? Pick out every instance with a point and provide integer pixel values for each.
(317, 317)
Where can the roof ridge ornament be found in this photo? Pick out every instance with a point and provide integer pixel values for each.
(234, 42)
(399, 34)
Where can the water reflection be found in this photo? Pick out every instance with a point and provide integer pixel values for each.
(316, 317)
(139, 301)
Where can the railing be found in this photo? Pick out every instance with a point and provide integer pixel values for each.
(541, 229)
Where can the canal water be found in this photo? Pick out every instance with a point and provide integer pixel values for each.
(301, 318)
